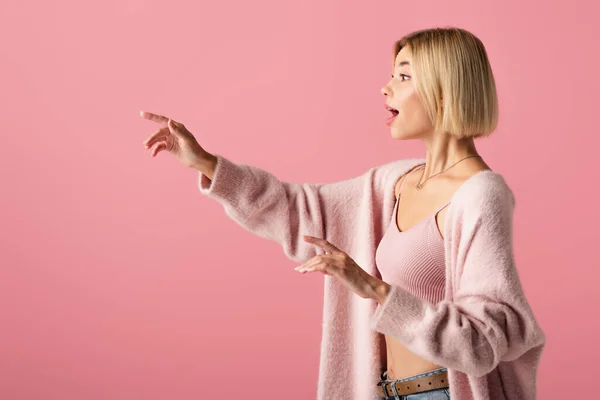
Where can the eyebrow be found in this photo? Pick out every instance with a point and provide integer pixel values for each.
(400, 64)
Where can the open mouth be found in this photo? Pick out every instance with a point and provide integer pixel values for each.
(393, 111)
(393, 117)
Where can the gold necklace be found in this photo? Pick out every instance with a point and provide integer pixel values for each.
(420, 185)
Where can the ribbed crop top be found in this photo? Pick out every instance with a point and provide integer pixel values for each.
(414, 259)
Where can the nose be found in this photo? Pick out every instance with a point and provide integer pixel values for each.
(384, 91)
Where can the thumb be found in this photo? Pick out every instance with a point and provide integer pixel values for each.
(173, 127)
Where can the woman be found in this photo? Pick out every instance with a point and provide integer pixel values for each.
(440, 308)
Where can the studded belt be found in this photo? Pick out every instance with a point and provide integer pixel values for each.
(417, 385)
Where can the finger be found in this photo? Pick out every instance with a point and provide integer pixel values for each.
(154, 117)
(319, 259)
(162, 132)
(324, 244)
(160, 146)
(306, 264)
(308, 267)
(177, 124)
(318, 267)
(301, 268)
(174, 127)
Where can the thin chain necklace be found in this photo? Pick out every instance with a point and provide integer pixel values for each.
(420, 185)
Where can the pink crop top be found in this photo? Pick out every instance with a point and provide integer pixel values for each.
(414, 259)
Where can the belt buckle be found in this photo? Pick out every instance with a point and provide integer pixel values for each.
(384, 388)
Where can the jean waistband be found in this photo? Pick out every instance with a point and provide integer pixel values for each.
(384, 376)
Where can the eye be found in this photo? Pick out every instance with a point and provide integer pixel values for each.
(402, 75)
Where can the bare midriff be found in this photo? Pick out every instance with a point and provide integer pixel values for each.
(402, 363)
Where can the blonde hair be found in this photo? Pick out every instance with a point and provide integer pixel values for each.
(454, 80)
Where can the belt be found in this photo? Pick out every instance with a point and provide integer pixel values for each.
(418, 385)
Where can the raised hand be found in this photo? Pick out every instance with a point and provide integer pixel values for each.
(175, 139)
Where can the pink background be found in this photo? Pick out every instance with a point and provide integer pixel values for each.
(119, 280)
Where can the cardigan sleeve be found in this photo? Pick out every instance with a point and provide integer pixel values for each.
(489, 319)
(284, 211)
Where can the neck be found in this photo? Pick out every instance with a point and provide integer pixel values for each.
(443, 150)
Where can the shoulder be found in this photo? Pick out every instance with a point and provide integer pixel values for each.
(486, 191)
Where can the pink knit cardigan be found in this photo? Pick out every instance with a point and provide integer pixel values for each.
(484, 330)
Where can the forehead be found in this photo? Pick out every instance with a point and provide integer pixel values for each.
(402, 57)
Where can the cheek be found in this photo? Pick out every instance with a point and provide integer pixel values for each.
(411, 110)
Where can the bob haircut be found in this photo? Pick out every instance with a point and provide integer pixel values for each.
(454, 80)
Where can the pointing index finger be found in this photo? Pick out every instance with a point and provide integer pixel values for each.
(154, 117)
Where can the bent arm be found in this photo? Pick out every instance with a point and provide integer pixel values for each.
(489, 319)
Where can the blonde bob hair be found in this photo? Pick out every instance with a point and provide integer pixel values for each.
(454, 80)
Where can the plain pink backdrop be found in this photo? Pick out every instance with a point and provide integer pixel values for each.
(119, 280)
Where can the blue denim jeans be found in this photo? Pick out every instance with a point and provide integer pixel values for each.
(435, 394)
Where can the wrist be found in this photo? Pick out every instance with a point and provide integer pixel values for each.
(206, 163)
(380, 291)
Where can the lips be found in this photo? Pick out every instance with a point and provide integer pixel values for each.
(391, 109)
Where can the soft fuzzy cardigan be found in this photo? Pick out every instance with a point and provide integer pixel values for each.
(484, 330)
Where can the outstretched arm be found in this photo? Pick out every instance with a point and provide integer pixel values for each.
(284, 211)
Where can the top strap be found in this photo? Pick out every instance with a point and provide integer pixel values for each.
(406, 176)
